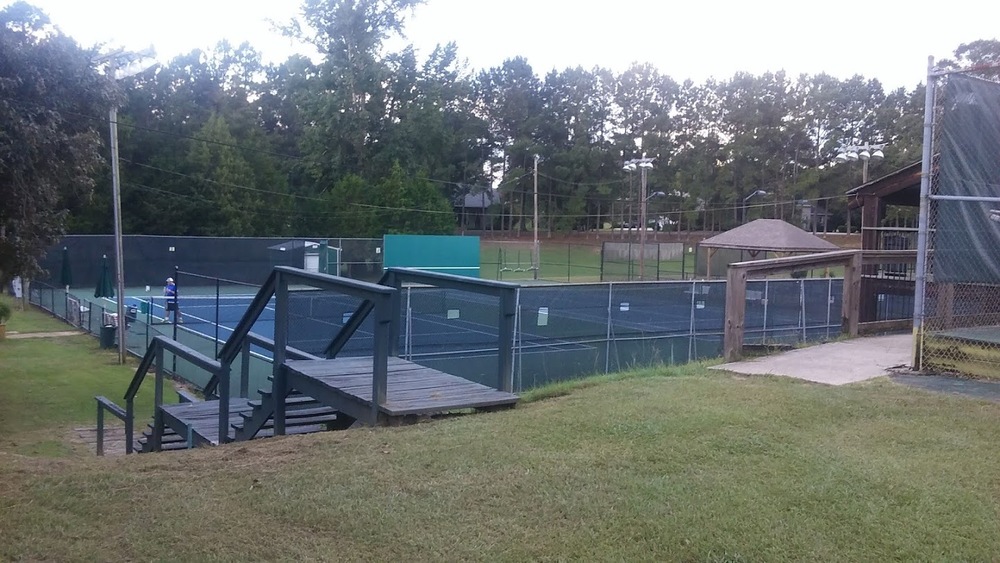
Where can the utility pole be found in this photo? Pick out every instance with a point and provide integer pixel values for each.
(535, 251)
(121, 64)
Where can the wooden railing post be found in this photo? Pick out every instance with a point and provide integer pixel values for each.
(380, 360)
(851, 298)
(736, 304)
(157, 437)
(100, 429)
(245, 369)
(129, 420)
(224, 375)
(395, 323)
(279, 388)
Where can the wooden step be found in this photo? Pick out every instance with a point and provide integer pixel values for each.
(300, 416)
(296, 400)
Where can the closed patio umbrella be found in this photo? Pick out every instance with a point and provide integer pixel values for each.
(105, 284)
(66, 273)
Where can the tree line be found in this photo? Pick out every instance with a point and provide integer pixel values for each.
(365, 140)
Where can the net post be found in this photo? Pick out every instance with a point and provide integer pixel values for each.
(177, 307)
(216, 317)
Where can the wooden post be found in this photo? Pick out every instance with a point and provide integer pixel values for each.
(100, 429)
(157, 437)
(380, 360)
(245, 369)
(129, 418)
(736, 303)
(224, 375)
(395, 323)
(851, 298)
(279, 387)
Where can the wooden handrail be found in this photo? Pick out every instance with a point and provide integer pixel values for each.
(853, 262)
(231, 348)
(105, 404)
(506, 293)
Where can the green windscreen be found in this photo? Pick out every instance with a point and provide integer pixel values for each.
(458, 255)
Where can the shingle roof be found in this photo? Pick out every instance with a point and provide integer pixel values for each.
(772, 235)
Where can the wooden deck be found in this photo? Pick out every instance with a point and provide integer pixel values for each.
(411, 389)
(344, 385)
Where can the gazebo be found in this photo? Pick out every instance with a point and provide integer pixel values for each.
(765, 235)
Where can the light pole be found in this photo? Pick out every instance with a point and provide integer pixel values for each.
(120, 64)
(864, 153)
(747, 198)
(643, 164)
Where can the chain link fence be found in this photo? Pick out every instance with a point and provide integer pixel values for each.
(958, 295)
(562, 332)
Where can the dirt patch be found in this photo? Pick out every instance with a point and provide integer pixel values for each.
(973, 388)
(86, 438)
(19, 335)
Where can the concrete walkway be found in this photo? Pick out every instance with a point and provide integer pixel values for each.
(17, 335)
(834, 363)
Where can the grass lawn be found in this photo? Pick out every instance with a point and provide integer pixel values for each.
(30, 320)
(48, 387)
(668, 464)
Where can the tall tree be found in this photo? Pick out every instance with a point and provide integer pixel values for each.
(49, 149)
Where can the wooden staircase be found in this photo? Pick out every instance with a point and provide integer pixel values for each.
(304, 415)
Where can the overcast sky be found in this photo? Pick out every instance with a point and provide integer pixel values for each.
(888, 39)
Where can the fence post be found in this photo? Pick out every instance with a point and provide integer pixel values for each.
(505, 347)
(736, 302)
(279, 387)
(603, 244)
(569, 260)
(658, 257)
(852, 294)
(607, 335)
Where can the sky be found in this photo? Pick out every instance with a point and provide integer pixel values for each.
(888, 39)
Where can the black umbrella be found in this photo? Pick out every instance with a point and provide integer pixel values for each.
(66, 275)
(105, 285)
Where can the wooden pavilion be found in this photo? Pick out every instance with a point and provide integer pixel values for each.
(765, 235)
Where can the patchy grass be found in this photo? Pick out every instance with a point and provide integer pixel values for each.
(48, 388)
(31, 319)
(699, 466)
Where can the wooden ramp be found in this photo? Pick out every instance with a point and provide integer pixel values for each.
(345, 384)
